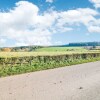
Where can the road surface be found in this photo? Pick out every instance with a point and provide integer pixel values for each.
(77, 82)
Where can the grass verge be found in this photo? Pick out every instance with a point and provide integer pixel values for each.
(7, 71)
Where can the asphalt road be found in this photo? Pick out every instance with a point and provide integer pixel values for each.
(78, 82)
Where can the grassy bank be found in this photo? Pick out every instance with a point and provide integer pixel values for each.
(18, 65)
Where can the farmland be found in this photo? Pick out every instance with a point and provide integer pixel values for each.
(44, 58)
(48, 51)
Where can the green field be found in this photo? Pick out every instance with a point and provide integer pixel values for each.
(61, 49)
(48, 51)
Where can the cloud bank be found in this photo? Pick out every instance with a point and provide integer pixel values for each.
(26, 26)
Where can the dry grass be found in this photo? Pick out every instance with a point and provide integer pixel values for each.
(22, 54)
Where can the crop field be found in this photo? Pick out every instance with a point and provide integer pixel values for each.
(62, 49)
(48, 51)
(12, 63)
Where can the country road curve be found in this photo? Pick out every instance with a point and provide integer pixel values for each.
(77, 82)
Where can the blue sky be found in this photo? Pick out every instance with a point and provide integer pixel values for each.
(48, 22)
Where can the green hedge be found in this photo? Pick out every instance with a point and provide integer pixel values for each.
(18, 65)
(13, 61)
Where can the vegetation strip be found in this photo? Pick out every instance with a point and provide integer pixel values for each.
(18, 65)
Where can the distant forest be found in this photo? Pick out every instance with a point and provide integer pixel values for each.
(85, 44)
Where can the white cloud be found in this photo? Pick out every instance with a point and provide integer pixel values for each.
(94, 26)
(26, 26)
(95, 29)
(2, 41)
(96, 3)
(50, 1)
(77, 17)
